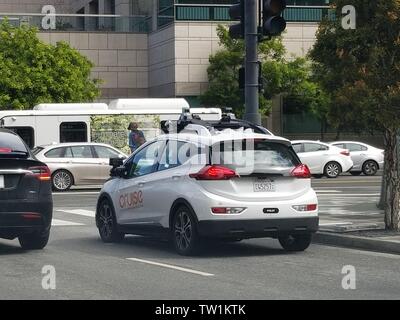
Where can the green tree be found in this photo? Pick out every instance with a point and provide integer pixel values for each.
(281, 76)
(360, 69)
(33, 72)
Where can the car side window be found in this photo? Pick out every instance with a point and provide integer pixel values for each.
(145, 161)
(106, 153)
(312, 147)
(340, 145)
(82, 152)
(355, 147)
(175, 154)
(55, 153)
(297, 147)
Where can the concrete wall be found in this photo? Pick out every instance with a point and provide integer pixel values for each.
(121, 60)
(33, 6)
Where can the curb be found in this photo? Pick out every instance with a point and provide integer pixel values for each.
(356, 242)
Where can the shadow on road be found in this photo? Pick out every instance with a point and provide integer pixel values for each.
(6, 249)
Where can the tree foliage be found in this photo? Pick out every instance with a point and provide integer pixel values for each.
(33, 72)
(360, 68)
(281, 76)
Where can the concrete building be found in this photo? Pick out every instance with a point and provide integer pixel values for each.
(160, 48)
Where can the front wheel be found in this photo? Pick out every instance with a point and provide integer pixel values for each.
(107, 223)
(34, 241)
(184, 232)
(332, 169)
(295, 242)
(370, 168)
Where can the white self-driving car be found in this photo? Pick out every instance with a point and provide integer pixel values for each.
(206, 183)
(322, 158)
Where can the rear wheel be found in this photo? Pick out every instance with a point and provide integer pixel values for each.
(107, 223)
(332, 169)
(295, 242)
(370, 168)
(184, 231)
(34, 241)
(62, 180)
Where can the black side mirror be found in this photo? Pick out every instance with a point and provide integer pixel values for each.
(119, 172)
(116, 162)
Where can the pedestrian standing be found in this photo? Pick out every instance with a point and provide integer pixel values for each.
(136, 136)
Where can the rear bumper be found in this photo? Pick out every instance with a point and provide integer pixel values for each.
(256, 228)
(24, 217)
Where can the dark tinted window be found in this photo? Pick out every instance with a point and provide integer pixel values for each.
(312, 147)
(297, 147)
(73, 132)
(55, 153)
(355, 147)
(81, 152)
(340, 145)
(106, 153)
(9, 141)
(26, 133)
(36, 150)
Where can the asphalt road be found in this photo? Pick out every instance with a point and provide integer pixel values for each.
(142, 268)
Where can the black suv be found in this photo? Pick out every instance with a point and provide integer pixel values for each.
(26, 204)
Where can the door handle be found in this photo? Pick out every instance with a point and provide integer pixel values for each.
(176, 177)
(141, 184)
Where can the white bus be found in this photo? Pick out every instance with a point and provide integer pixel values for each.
(97, 122)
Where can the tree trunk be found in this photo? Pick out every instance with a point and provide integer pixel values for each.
(382, 199)
(392, 180)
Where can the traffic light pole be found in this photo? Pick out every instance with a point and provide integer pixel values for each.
(252, 112)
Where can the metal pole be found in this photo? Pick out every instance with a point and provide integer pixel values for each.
(252, 113)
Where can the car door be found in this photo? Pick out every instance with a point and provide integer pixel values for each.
(358, 154)
(84, 164)
(103, 155)
(314, 155)
(134, 197)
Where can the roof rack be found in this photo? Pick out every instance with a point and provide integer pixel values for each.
(227, 121)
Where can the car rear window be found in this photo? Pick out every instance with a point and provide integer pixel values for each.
(11, 144)
(36, 150)
(255, 156)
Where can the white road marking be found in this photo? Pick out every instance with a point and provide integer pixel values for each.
(325, 224)
(163, 265)
(328, 191)
(75, 193)
(353, 195)
(61, 223)
(81, 212)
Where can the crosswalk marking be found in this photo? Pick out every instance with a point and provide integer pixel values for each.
(63, 223)
(81, 212)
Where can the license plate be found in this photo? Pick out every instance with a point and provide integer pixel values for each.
(2, 185)
(264, 186)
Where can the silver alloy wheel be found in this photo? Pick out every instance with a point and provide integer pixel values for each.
(332, 169)
(62, 180)
(370, 168)
(106, 222)
(183, 230)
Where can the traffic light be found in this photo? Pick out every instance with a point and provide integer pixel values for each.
(273, 22)
(236, 12)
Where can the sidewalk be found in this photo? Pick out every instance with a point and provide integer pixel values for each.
(357, 226)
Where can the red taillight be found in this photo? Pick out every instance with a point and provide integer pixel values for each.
(214, 173)
(5, 150)
(42, 173)
(305, 207)
(345, 152)
(31, 216)
(301, 171)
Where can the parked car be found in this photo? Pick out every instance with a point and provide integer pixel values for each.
(367, 159)
(26, 204)
(77, 163)
(322, 158)
(154, 192)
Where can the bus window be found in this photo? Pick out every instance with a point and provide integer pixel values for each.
(26, 133)
(73, 132)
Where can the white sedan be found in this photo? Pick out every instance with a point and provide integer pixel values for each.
(322, 158)
(367, 159)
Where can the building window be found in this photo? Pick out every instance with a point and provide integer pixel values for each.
(26, 133)
(73, 132)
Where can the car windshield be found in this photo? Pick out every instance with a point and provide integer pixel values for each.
(255, 156)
